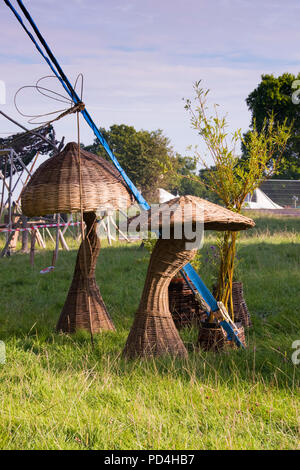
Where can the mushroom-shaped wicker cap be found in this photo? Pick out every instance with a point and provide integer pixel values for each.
(192, 209)
(54, 187)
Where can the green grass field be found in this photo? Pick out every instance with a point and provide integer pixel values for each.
(58, 393)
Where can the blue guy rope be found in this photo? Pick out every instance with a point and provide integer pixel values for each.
(188, 271)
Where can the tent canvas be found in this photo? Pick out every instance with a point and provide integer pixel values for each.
(164, 196)
(259, 200)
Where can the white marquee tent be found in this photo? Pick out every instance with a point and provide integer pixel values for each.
(259, 200)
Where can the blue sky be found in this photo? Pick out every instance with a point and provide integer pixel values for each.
(141, 57)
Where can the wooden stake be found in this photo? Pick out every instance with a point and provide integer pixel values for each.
(63, 241)
(119, 230)
(32, 246)
(25, 234)
(49, 233)
(40, 239)
(55, 253)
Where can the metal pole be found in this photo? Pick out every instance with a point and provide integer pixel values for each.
(10, 191)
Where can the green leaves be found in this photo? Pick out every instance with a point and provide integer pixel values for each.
(145, 156)
(232, 178)
(272, 101)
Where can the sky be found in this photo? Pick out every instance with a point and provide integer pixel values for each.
(140, 58)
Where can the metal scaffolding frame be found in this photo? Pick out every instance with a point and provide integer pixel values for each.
(8, 187)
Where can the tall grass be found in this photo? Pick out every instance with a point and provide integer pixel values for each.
(56, 392)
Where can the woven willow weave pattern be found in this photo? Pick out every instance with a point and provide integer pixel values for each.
(241, 312)
(192, 209)
(84, 289)
(153, 332)
(212, 337)
(184, 307)
(54, 187)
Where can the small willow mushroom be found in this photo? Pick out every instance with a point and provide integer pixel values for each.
(153, 332)
(55, 188)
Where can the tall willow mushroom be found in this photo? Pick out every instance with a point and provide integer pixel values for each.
(153, 331)
(55, 188)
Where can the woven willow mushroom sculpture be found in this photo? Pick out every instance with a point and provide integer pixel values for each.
(153, 331)
(55, 188)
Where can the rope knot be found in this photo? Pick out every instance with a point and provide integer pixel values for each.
(80, 106)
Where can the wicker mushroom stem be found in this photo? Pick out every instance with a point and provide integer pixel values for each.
(84, 307)
(153, 332)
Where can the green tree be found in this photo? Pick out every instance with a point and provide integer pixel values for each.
(145, 156)
(278, 96)
(184, 180)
